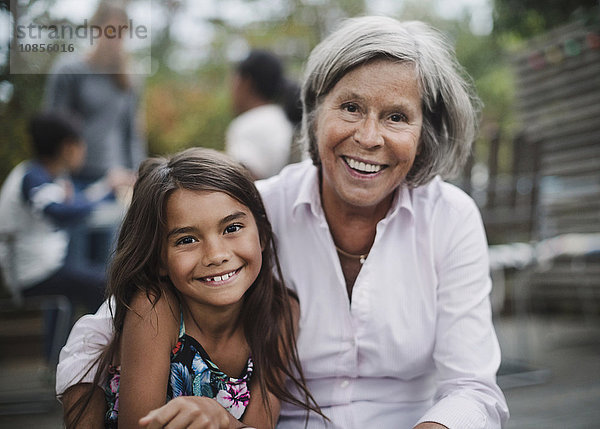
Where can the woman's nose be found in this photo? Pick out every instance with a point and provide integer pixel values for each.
(215, 252)
(368, 133)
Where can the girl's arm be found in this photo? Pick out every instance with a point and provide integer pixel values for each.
(191, 411)
(149, 333)
(207, 413)
(93, 417)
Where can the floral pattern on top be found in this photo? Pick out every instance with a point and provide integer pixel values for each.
(192, 374)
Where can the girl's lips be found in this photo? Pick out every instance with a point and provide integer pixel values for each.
(221, 278)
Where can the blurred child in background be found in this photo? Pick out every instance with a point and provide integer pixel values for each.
(38, 205)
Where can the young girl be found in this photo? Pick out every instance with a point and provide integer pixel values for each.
(199, 309)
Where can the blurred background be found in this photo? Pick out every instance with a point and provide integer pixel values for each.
(534, 171)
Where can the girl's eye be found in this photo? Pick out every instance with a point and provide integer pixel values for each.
(233, 228)
(185, 240)
(398, 117)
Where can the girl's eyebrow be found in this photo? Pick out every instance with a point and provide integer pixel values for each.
(182, 230)
(233, 216)
(186, 229)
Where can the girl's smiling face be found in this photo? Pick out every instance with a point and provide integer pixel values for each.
(213, 252)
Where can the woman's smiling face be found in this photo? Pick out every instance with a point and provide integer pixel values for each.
(368, 129)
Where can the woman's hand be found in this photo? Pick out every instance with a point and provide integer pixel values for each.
(190, 412)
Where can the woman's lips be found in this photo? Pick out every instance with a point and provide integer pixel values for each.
(363, 168)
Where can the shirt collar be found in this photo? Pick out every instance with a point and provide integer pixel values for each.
(309, 195)
(402, 201)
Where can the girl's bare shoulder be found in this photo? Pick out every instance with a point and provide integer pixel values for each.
(159, 312)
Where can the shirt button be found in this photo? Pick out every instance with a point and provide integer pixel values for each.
(344, 384)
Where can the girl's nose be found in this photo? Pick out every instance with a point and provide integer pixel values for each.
(215, 252)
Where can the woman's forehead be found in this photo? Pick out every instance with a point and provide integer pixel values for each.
(367, 70)
(378, 79)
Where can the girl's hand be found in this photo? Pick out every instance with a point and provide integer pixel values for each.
(189, 412)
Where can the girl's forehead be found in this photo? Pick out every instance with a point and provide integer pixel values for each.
(186, 205)
(203, 197)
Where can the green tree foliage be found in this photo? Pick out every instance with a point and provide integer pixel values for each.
(527, 18)
(192, 108)
(185, 108)
(22, 101)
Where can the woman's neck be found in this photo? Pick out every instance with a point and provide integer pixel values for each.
(353, 231)
(353, 228)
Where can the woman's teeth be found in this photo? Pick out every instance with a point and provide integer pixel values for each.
(363, 167)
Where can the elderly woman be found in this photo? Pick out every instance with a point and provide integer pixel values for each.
(389, 262)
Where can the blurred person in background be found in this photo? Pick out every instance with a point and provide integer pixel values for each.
(38, 203)
(261, 135)
(99, 92)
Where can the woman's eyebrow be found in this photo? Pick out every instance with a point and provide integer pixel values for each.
(348, 95)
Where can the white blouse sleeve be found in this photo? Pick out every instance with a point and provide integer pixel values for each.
(466, 352)
(79, 357)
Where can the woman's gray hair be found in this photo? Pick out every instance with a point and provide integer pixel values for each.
(449, 103)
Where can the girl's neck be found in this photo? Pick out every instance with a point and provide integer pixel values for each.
(210, 323)
(221, 335)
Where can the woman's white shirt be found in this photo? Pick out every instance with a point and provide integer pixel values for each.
(416, 342)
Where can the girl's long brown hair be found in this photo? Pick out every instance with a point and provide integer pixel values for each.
(266, 313)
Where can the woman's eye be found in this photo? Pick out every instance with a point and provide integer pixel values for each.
(397, 117)
(185, 240)
(352, 108)
(233, 228)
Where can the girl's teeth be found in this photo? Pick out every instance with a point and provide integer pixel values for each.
(220, 278)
